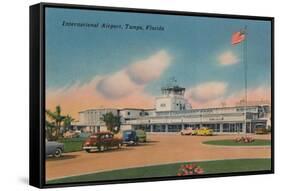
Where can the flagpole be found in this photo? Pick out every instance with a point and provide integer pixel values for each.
(245, 75)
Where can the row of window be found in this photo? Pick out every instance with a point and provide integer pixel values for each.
(227, 127)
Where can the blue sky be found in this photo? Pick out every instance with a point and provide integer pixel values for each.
(194, 44)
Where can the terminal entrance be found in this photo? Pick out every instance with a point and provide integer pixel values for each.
(232, 127)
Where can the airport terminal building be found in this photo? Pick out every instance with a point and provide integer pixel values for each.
(172, 113)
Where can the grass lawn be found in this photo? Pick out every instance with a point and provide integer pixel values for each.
(72, 145)
(230, 142)
(210, 167)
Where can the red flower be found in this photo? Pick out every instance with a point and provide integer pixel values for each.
(199, 171)
(189, 169)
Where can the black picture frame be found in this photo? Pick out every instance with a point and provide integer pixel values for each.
(37, 92)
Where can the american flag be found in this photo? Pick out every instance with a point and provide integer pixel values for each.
(237, 37)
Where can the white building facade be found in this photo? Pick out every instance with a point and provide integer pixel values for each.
(172, 113)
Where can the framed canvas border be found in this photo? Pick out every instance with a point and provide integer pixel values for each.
(37, 165)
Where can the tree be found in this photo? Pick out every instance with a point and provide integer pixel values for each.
(112, 122)
(56, 120)
(49, 130)
(67, 121)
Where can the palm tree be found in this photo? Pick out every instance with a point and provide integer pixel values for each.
(49, 130)
(112, 122)
(67, 121)
(56, 119)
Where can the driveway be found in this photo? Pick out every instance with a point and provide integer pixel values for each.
(159, 149)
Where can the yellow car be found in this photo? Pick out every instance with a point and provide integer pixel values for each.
(204, 131)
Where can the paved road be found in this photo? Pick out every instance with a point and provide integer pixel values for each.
(159, 149)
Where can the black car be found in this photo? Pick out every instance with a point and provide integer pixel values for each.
(130, 137)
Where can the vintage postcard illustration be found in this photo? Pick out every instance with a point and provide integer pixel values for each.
(136, 95)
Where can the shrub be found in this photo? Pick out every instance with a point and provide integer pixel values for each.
(189, 169)
(244, 139)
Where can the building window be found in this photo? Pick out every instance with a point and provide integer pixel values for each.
(225, 127)
(232, 127)
(159, 128)
(174, 128)
(214, 127)
(162, 105)
(128, 113)
(147, 128)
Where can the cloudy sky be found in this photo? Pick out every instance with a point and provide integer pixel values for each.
(94, 67)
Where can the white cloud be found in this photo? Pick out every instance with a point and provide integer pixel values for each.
(116, 85)
(144, 71)
(208, 91)
(134, 77)
(228, 58)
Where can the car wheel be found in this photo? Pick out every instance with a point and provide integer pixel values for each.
(101, 148)
(88, 150)
(58, 153)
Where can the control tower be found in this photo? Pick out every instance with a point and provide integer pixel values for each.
(172, 98)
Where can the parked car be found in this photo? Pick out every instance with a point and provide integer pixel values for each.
(130, 137)
(204, 131)
(101, 141)
(261, 130)
(141, 135)
(71, 134)
(54, 148)
(187, 131)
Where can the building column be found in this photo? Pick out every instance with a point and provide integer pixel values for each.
(182, 126)
(251, 127)
(151, 128)
(244, 125)
(166, 127)
(221, 127)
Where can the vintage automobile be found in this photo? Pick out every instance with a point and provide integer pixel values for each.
(130, 137)
(260, 129)
(101, 141)
(141, 135)
(54, 148)
(187, 131)
(204, 131)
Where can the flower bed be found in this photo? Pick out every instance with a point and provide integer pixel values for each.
(189, 169)
(244, 139)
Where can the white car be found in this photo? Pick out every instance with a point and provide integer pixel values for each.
(187, 131)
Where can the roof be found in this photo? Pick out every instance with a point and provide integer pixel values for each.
(174, 88)
(142, 109)
(98, 109)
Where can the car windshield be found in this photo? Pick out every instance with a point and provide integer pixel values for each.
(128, 132)
(140, 132)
